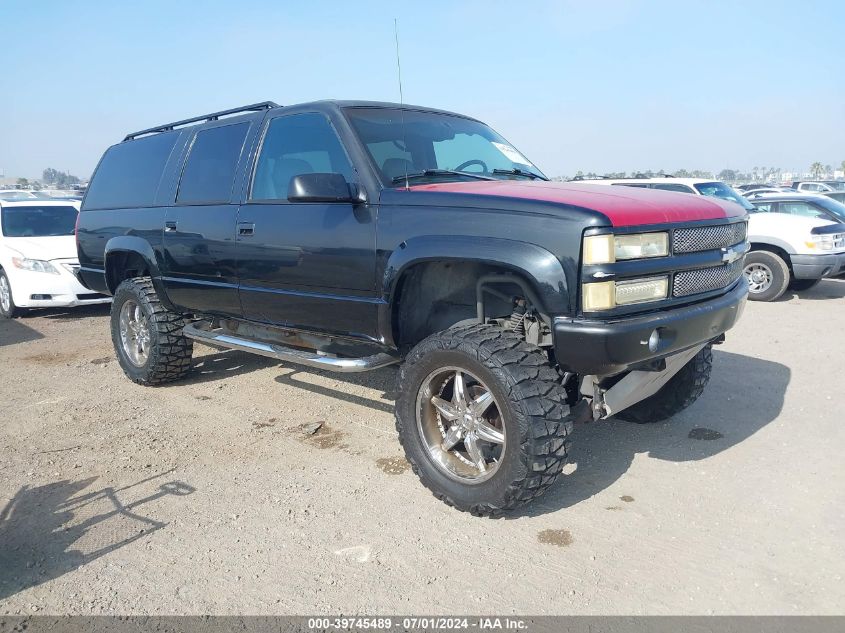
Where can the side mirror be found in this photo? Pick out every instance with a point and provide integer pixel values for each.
(322, 188)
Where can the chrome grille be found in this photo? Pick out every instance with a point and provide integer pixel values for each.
(708, 238)
(690, 282)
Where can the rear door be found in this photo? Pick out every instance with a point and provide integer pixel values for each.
(309, 264)
(199, 262)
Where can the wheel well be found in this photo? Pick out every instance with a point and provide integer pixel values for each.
(123, 265)
(777, 250)
(433, 296)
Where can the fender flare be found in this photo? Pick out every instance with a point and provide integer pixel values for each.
(141, 247)
(540, 268)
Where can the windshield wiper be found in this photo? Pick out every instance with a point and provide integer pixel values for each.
(519, 172)
(425, 173)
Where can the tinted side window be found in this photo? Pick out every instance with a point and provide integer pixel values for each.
(210, 169)
(294, 145)
(129, 173)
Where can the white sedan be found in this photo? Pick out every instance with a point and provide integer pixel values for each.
(38, 257)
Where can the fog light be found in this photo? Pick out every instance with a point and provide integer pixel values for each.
(654, 341)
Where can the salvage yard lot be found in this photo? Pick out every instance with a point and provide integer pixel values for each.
(217, 495)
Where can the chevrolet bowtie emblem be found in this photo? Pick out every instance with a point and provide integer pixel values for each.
(730, 255)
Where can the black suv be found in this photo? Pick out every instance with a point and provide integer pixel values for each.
(352, 235)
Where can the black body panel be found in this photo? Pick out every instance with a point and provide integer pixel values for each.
(335, 267)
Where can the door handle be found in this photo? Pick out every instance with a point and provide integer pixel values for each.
(246, 228)
(170, 225)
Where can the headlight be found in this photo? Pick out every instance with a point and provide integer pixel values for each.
(34, 265)
(608, 248)
(826, 242)
(609, 294)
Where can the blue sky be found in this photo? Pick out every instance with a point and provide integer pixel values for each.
(601, 86)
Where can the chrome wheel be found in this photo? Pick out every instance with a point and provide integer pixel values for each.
(5, 294)
(759, 276)
(135, 333)
(460, 424)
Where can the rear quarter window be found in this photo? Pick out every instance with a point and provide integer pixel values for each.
(209, 172)
(129, 173)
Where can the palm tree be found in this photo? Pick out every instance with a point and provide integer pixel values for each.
(816, 169)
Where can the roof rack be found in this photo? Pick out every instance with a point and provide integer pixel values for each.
(167, 127)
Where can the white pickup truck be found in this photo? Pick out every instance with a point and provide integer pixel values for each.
(796, 239)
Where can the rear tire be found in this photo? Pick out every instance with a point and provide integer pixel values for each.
(147, 337)
(8, 309)
(799, 285)
(526, 416)
(767, 275)
(681, 391)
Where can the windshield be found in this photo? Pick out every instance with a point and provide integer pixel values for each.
(836, 185)
(436, 147)
(33, 221)
(836, 209)
(721, 190)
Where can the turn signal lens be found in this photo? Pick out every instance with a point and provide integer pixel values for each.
(600, 296)
(598, 249)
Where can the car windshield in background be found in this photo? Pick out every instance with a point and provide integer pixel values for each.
(836, 209)
(433, 147)
(837, 185)
(721, 190)
(33, 221)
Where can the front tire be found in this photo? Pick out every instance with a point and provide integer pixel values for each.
(482, 418)
(8, 309)
(147, 337)
(767, 276)
(681, 391)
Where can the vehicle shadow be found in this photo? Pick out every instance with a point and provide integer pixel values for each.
(743, 396)
(826, 289)
(383, 380)
(12, 332)
(69, 314)
(222, 364)
(56, 528)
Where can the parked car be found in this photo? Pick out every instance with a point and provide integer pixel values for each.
(751, 193)
(699, 186)
(16, 194)
(796, 242)
(757, 185)
(818, 186)
(785, 252)
(349, 236)
(38, 257)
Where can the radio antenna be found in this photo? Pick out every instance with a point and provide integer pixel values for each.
(401, 98)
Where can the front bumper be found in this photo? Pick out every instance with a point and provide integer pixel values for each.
(47, 290)
(818, 266)
(601, 348)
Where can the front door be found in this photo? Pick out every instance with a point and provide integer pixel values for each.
(311, 264)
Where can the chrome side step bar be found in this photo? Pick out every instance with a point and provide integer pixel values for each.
(220, 338)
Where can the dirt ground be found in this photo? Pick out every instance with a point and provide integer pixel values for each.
(211, 496)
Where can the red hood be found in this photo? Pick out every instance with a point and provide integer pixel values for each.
(623, 206)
